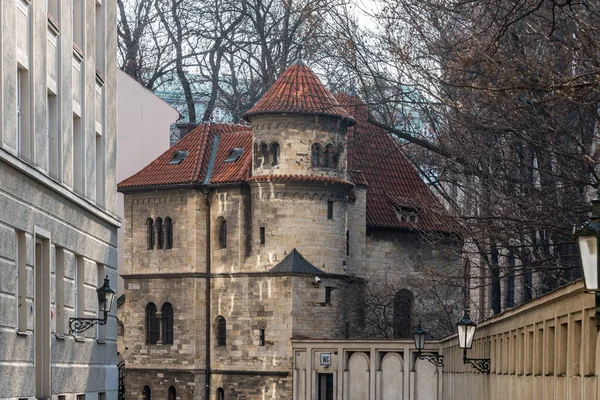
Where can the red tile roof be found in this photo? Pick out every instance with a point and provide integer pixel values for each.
(375, 159)
(301, 178)
(194, 167)
(299, 90)
(239, 170)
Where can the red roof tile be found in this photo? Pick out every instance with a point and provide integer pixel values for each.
(301, 178)
(192, 169)
(239, 170)
(299, 90)
(375, 159)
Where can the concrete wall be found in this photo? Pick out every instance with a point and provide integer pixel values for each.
(143, 123)
(545, 349)
(58, 218)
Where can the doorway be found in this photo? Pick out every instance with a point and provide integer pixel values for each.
(325, 382)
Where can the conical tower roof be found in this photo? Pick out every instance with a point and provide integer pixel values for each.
(299, 91)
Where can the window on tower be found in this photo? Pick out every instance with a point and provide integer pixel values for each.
(222, 226)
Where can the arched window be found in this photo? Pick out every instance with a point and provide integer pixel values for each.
(220, 394)
(221, 331)
(336, 157)
(274, 153)
(150, 233)
(151, 324)
(329, 154)
(257, 156)
(316, 155)
(167, 323)
(403, 305)
(264, 151)
(169, 232)
(222, 226)
(159, 233)
(172, 393)
(147, 393)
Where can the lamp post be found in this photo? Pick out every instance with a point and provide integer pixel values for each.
(106, 296)
(466, 333)
(419, 336)
(588, 241)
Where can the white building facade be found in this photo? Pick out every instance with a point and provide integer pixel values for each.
(58, 225)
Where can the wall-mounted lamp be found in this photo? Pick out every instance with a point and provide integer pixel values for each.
(419, 335)
(106, 296)
(466, 333)
(588, 240)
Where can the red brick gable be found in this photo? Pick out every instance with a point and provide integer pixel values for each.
(394, 185)
(298, 90)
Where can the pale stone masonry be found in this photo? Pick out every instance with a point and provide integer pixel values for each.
(266, 241)
(58, 222)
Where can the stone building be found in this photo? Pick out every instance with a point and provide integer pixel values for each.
(58, 224)
(239, 238)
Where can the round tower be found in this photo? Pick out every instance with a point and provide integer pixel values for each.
(299, 184)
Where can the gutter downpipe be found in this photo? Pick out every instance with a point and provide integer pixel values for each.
(207, 300)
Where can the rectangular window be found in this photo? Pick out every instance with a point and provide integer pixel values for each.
(329, 209)
(99, 38)
(52, 136)
(78, 23)
(81, 397)
(59, 255)
(100, 170)
(328, 290)
(261, 338)
(100, 329)
(23, 125)
(262, 235)
(53, 9)
(79, 287)
(78, 155)
(510, 291)
(21, 294)
(101, 396)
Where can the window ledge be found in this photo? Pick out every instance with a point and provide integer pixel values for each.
(79, 338)
(77, 52)
(24, 333)
(59, 336)
(100, 341)
(53, 24)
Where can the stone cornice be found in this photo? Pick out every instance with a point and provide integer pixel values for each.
(180, 275)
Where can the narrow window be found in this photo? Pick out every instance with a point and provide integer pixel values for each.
(403, 305)
(258, 162)
(172, 393)
(316, 155)
(220, 394)
(78, 23)
(100, 170)
(147, 393)
(222, 224)
(160, 240)
(328, 290)
(23, 121)
(21, 281)
(336, 157)
(59, 255)
(79, 286)
(264, 151)
(221, 331)
(274, 153)
(78, 155)
(262, 235)
(99, 38)
(347, 243)
(53, 9)
(169, 233)
(150, 233)
(261, 337)
(101, 396)
(52, 135)
(167, 323)
(510, 290)
(329, 153)
(329, 209)
(152, 328)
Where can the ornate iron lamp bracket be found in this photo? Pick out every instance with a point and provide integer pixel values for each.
(79, 325)
(435, 359)
(480, 364)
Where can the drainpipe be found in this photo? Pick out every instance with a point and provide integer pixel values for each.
(208, 318)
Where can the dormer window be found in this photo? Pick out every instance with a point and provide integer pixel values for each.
(234, 154)
(178, 157)
(407, 214)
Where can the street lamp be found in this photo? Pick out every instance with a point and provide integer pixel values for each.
(419, 335)
(466, 333)
(588, 241)
(106, 296)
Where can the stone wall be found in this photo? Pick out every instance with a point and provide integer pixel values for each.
(160, 380)
(296, 134)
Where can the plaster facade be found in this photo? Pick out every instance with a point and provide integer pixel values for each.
(58, 228)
